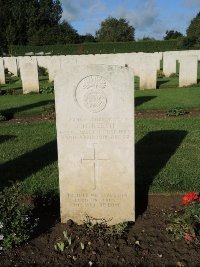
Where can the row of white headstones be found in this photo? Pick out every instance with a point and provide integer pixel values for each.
(144, 65)
(95, 127)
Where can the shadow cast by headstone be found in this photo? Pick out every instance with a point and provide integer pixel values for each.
(139, 100)
(159, 83)
(9, 113)
(47, 210)
(27, 164)
(4, 138)
(152, 153)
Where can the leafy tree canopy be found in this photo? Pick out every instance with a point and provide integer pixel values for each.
(67, 34)
(193, 31)
(115, 30)
(34, 22)
(147, 38)
(172, 35)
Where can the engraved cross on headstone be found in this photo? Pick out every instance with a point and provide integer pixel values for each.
(95, 161)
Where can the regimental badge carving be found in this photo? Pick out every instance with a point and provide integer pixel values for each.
(91, 93)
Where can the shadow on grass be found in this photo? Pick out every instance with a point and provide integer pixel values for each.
(152, 153)
(4, 138)
(27, 164)
(139, 100)
(159, 83)
(9, 113)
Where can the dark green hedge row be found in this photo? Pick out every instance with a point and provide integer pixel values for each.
(98, 48)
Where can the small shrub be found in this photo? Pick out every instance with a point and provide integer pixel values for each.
(10, 91)
(42, 71)
(173, 75)
(49, 111)
(177, 111)
(16, 220)
(185, 224)
(120, 228)
(60, 246)
(2, 117)
(160, 74)
(47, 89)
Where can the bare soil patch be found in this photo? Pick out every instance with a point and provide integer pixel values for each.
(145, 243)
(163, 114)
(146, 114)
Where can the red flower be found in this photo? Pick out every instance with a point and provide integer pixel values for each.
(190, 198)
(189, 237)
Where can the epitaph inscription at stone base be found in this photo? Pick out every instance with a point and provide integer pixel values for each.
(95, 134)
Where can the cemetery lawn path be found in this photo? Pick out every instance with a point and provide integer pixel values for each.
(145, 243)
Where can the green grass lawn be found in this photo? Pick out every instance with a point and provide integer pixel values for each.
(165, 99)
(167, 151)
(29, 154)
(172, 82)
(19, 105)
(167, 155)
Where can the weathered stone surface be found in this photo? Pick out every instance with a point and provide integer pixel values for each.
(29, 54)
(148, 71)
(169, 63)
(132, 60)
(44, 62)
(188, 70)
(54, 65)
(40, 54)
(29, 77)
(2, 72)
(95, 134)
(11, 64)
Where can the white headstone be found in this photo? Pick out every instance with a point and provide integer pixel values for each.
(43, 61)
(2, 72)
(54, 65)
(148, 71)
(11, 64)
(188, 70)
(132, 60)
(95, 135)
(21, 60)
(169, 63)
(29, 77)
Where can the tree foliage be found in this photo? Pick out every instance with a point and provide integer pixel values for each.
(67, 34)
(193, 31)
(115, 30)
(172, 35)
(34, 22)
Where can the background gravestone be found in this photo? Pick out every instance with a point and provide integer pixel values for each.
(148, 71)
(95, 134)
(11, 64)
(29, 77)
(2, 72)
(169, 63)
(188, 70)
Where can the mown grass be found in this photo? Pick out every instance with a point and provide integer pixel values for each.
(173, 80)
(18, 105)
(29, 154)
(167, 155)
(165, 99)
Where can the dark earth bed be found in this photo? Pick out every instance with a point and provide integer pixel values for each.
(145, 243)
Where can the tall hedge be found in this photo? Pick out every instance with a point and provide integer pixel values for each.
(98, 48)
